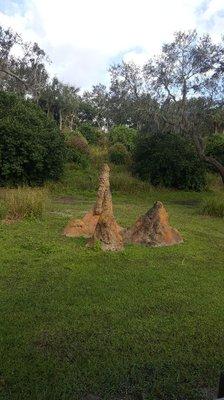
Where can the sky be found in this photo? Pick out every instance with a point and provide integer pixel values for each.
(84, 37)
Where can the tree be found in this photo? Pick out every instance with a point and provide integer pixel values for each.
(125, 90)
(188, 67)
(96, 102)
(62, 102)
(25, 74)
(8, 39)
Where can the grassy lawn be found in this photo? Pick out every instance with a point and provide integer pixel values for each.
(143, 322)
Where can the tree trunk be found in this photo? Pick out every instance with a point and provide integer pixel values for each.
(60, 120)
(6, 71)
(217, 165)
(48, 110)
(208, 159)
(71, 122)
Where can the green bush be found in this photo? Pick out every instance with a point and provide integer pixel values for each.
(169, 160)
(215, 147)
(91, 133)
(125, 135)
(99, 156)
(32, 149)
(213, 207)
(78, 150)
(118, 154)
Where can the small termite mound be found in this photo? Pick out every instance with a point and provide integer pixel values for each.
(153, 229)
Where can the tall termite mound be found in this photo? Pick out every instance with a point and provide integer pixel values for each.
(86, 226)
(153, 229)
(108, 233)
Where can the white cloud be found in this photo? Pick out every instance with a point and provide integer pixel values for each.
(214, 6)
(82, 37)
(138, 57)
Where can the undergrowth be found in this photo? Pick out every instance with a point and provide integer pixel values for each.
(213, 207)
(24, 202)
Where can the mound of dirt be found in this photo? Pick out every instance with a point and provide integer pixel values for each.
(107, 232)
(82, 227)
(153, 229)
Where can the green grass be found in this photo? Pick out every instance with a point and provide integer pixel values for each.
(75, 321)
(213, 207)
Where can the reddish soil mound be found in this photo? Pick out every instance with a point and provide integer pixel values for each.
(107, 231)
(82, 227)
(153, 229)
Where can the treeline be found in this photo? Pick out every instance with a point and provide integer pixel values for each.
(166, 119)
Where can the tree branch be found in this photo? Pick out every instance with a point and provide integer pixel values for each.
(7, 72)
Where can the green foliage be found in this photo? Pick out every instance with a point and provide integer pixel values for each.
(91, 133)
(78, 150)
(99, 156)
(213, 207)
(169, 160)
(118, 154)
(123, 134)
(122, 182)
(215, 147)
(31, 147)
(25, 202)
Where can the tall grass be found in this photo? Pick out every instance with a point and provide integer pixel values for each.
(25, 202)
(213, 207)
(124, 182)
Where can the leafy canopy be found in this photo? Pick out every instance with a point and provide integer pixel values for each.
(169, 160)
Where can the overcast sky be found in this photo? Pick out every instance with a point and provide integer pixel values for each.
(83, 37)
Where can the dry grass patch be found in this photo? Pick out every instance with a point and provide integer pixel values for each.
(24, 202)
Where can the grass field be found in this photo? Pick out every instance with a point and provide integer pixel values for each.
(145, 323)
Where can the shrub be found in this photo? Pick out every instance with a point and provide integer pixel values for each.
(125, 135)
(99, 156)
(25, 202)
(78, 149)
(118, 154)
(215, 147)
(169, 160)
(31, 147)
(91, 133)
(213, 207)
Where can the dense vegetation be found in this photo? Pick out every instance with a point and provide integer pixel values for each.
(169, 160)
(179, 92)
(31, 145)
(215, 147)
